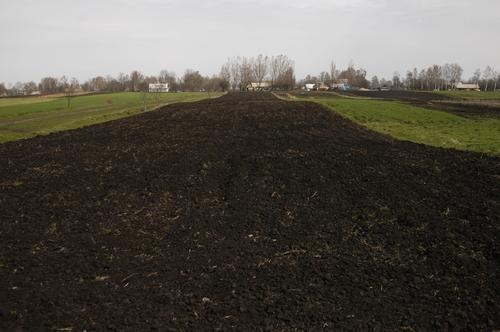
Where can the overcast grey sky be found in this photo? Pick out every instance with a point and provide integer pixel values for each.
(86, 38)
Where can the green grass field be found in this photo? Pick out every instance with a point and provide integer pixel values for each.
(472, 95)
(31, 116)
(415, 124)
(25, 100)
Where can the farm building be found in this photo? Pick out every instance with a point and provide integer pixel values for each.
(467, 86)
(342, 84)
(321, 86)
(159, 87)
(310, 87)
(255, 86)
(22, 92)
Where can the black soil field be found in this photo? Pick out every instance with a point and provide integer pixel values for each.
(246, 213)
(467, 109)
(400, 95)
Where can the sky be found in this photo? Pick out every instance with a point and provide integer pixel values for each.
(87, 38)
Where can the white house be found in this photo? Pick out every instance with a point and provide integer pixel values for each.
(310, 87)
(158, 87)
(255, 86)
(467, 86)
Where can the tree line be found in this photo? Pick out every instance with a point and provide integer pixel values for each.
(273, 72)
(235, 74)
(134, 82)
(278, 71)
(352, 76)
(435, 77)
(439, 77)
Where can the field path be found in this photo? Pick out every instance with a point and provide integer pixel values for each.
(245, 212)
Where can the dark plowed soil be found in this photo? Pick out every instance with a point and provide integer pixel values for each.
(467, 109)
(245, 213)
(400, 95)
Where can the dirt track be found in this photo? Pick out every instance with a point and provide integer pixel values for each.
(246, 213)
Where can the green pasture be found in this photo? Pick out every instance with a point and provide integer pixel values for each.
(419, 125)
(31, 116)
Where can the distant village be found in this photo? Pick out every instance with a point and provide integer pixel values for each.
(343, 85)
(263, 73)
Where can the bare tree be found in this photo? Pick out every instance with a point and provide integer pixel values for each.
(415, 77)
(225, 76)
(278, 67)
(215, 83)
(136, 78)
(29, 87)
(18, 88)
(422, 77)
(123, 80)
(281, 72)
(3, 89)
(260, 68)
(476, 76)
(70, 89)
(192, 81)
(168, 77)
(349, 74)
(235, 68)
(355, 77)
(488, 75)
(456, 74)
(435, 77)
(287, 81)
(409, 80)
(334, 73)
(324, 77)
(434, 74)
(63, 84)
(246, 72)
(396, 80)
(163, 76)
(446, 74)
(97, 83)
(277, 64)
